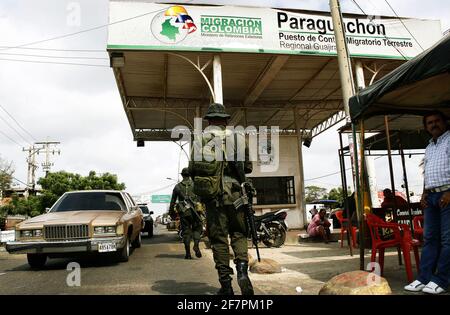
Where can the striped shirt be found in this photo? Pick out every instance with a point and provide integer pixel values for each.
(437, 162)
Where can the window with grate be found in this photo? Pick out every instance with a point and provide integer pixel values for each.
(274, 190)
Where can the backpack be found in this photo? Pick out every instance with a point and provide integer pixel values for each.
(208, 172)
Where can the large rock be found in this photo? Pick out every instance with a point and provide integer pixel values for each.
(356, 283)
(265, 266)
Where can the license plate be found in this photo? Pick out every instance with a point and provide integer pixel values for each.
(106, 247)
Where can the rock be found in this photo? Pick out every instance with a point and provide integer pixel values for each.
(265, 266)
(356, 283)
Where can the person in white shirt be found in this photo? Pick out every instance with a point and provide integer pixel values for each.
(435, 260)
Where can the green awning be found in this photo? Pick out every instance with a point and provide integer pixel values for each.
(419, 85)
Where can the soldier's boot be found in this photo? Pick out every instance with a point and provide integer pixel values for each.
(197, 251)
(188, 251)
(243, 279)
(226, 288)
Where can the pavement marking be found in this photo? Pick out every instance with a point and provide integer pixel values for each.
(3, 273)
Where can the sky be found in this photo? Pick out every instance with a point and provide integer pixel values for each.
(80, 106)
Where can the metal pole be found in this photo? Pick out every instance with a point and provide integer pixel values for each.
(388, 139)
(348, 90)
(405, 179)
(359, 208)
(361, 83)
(391, 173)
(301, 193)
(344, 191)
(217, 73)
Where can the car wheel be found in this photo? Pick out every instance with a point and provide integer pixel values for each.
(124, 253)
(36, 260)
(137, 241)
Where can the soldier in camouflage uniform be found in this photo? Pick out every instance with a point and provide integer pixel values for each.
(191, 226)
(222, 219)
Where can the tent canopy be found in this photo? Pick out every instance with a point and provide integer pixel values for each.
(408, 140)
(417, 86)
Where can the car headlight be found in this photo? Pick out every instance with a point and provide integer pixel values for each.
(104, 230)
(37, 233)
(26, 233)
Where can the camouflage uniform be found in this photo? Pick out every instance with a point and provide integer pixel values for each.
(224, 221)
(190, 225)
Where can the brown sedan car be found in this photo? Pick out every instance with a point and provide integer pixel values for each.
(98, 221)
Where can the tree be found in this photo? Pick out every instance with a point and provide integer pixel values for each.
(56, 184)
(336, 194)
(313, 193)
(6, 172)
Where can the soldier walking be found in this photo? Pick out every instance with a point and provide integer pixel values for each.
(218, 184)
(191, 226)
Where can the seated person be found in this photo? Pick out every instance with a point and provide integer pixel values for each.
(391, 201)
(320, 226)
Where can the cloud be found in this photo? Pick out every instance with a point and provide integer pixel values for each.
(80, 106)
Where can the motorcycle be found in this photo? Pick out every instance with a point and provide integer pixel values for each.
(271, 228)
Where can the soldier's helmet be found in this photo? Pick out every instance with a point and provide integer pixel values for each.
(216, 110)
(185, 172)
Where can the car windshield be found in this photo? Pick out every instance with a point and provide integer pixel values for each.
(144, 209)
(85, 201)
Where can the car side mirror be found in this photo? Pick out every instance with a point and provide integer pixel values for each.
(151, 212)
(47, 210)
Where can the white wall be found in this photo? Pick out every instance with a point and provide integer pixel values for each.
(288, 166)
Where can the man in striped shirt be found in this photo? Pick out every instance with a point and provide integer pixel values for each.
(435, 261)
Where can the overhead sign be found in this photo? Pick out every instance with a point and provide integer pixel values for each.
(161, 198)
(262, 30)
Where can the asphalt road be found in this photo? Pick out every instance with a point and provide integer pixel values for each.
(158, 267)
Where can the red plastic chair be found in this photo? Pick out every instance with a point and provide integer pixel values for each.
(344, 229)
(418, 227)
(402, 238)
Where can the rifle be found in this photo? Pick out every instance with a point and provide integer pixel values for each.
(247, 202)
(189, 204)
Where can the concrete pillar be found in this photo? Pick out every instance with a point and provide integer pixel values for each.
(217, 73)
(300, 194)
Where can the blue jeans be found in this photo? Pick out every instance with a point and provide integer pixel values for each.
(435, 260)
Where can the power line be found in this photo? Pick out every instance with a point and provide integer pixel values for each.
(356, 3)
(57, 57)
(17, 180)
(12, 140)
(155, 190)
(387, 2)
(56, 63)
(20, 135)
(20, 126)
(86, 30)
(328, 175)
(55, 49)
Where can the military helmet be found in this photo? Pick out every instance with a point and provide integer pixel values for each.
(185, 172)
(216, 110)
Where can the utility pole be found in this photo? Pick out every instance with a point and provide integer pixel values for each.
(348, 90)
(46, 147)
(32, 166)
(35, 149)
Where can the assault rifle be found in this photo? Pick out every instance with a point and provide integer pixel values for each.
(246, 201)
(189, 205)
